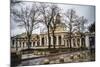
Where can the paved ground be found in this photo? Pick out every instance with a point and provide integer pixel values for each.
(79, 56)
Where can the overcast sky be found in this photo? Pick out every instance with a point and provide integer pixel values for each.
(81, 10)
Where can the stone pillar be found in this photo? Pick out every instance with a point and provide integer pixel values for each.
(47, 41)
(21, 44)
(35, 43)
(66, 43)
(51, 40)
(25, 45)
(31, 43)
(80, 42)
(40, 40)
(72, 43)
(62, 39)
(57, 40)
(76, 46)
(87, 43)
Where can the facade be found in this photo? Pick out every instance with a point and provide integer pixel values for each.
(61, 39)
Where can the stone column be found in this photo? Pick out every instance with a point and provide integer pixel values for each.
(62, 39)
(35, 43)
(76, 46)
(21, 44)
(72, 43)
(57, 40)
(31, 43)
(25, 45)
(51, 40)
(66, 43)
(80, 42)
(87, 43)
(47, 41)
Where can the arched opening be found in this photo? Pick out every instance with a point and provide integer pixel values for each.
(59, 40)
(54, 40)
(13, 43)
(67, 43)
(74, 43)
(42, 41)
(19, 43)
(38, 43)
(33, 43)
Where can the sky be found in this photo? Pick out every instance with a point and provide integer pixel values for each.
(81, 10)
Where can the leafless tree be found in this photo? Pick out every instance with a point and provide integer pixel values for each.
(48, 13)
(80, 26)
(55, 21)
(27, 18)
(83, 21)
(71, 18)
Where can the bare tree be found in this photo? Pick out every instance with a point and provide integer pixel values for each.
(27, 18)
(80, 24)
(71, 18)
(55, 21)
(48, 12)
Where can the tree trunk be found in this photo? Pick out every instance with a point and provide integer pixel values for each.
(70, 40)
(28, 43)
(48, 38)
(70, 35)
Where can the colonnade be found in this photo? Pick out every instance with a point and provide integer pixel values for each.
(59, 40)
